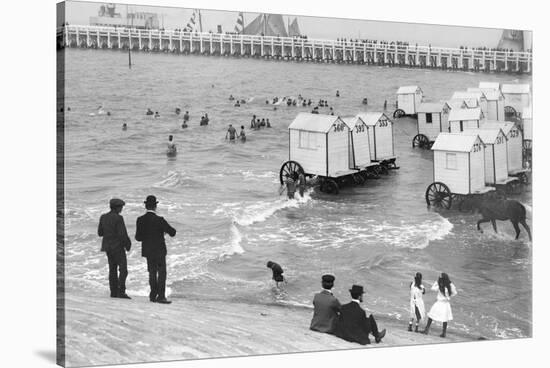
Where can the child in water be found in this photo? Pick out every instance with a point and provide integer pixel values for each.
(242, 135)
(417, 309)
(277, 272)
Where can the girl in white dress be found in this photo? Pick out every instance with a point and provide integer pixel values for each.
(417, 309)
(441, 310)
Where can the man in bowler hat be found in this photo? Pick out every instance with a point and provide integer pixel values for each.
(353, 324)
(150, 230)
(326, 307)
(115, 243)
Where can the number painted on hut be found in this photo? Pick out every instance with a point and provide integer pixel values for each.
(514, 133)
(383, 123)
(339, 127)
(500, 140)
(359, 128)
(477, 147)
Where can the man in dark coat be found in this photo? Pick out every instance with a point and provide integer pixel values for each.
(353, 324)
(150, 230)
(115, 243)
(326, 307)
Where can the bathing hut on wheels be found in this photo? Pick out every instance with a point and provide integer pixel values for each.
(319, 146)
(496, 158)
(495, 103)
(380, 132)
(408, 100)
(433, 118)
(514, 145)
(460, 119)
(458, 169)
(516, 97)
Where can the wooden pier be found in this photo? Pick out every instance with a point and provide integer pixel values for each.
(296, 49)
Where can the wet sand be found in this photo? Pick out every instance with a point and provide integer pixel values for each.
(102, 330)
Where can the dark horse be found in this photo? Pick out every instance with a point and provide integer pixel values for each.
(492, 209)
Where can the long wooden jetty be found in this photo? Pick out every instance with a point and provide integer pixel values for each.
(297, 49)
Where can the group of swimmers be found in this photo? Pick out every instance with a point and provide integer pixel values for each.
(256, 123)
(150, 112)
(232, 134)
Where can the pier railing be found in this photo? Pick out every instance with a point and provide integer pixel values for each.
(295, 48)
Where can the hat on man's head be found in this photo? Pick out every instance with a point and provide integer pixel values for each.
(328, 278)
(151, 199)
(356, 289)
(115, 202)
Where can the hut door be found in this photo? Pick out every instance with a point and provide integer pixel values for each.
(461, 125)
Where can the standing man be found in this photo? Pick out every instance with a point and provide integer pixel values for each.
(301, 183)
(150, 230)
(353, 324)
(231, 132)
(115, 243)
(326, 307)
(277, 272)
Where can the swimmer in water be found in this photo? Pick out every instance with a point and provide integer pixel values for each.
(231, 132)
(231, 98)
(337, 93)
(237, 104)
(178, 110)
(242, 135)
(267, 124)
(157, 115)
(124, 126)
(149, 112)
(186, 117)
(253, 122)
(171, 145)
(262, 123)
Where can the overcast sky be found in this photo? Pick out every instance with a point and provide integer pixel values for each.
(315, 27)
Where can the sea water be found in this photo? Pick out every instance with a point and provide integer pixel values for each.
(223, 198)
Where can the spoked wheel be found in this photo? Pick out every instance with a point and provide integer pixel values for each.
(398, 113)
(439, 195)
(523, 178)
(329, 186)
(421, 141)
(358, 179)
(510, 112)
(380, 169)
(291, 168)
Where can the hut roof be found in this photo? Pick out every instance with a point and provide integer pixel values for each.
(490, 94)
(371, 118)
(351, 121)
(457, 104)
(487, 135)
(477, 94)
(456, 142)
(506, 126)
(431, 107)
(489, 85)
(516, 88)
(314, 122)
(465, 114)
(405, 90)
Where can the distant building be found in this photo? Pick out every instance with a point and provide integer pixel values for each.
(108, 17)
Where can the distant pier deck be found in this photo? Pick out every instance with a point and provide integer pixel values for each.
(295, 49)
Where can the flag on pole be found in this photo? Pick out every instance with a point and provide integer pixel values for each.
(191, 24)
(239, 27)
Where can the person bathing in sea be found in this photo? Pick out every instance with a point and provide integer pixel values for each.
(417, 309)
(124, 126)
(157, 115)
(277, 272)
(242, 134)
(231, 132)
(178, 110)
(290, 186)
(171, 145)
(149, 112)
(267, 124)
(253, 122)
(186, 117)
(231, 98)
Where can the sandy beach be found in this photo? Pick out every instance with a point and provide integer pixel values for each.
(101, 330)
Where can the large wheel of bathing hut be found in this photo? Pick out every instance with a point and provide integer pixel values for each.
(329, 186)
(421, 141)
(292, 168)
(439, 195)
(398, 113)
